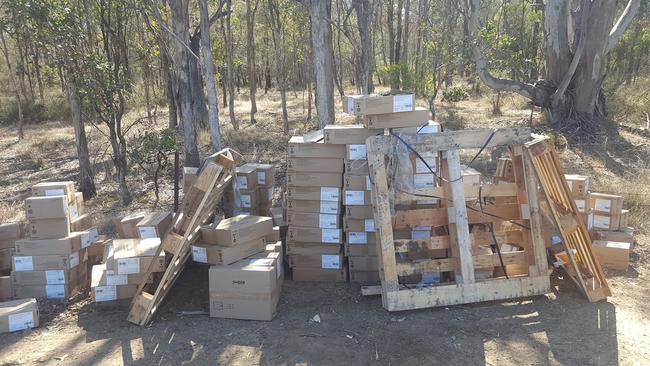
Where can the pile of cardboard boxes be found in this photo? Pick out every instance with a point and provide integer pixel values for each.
(252, 189)
(9, 233)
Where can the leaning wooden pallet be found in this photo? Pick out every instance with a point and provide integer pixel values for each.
(517, 223)
(583, 266)
(199, 203)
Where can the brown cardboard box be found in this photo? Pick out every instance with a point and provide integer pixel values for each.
(302, 179)
(296, 234)
(238, 229)
(246, 177)
(364, 276)
(82, 223)
(356, 167)
(128, 226)
(324, 261)
(67, 245)
(416, 118)
(314, 193)
(419, 166)
(605, 222)
(77, 207)
(273, 236)
(6, 288)
(54, 189)
(154, 225)
(430, 128)
(107, 293)
(315, 165)
(17, 315)
(312, 248)
(623, 221)
(215, 254)
(363, 263)
(265, 174)
(358, 225)
(348, 134)
(265, 195)
(48, 277)
(359, 212)
(356, 198)
(132, 256)
(53, 292)
(105, 286)
(319, 274)
(361, 250)
(246, 199)
(618, 236)
(9, 233)
(243, 277)
(578, 184)
(100, 276)
(378, 104)
(360, 237)
(52, 207)
(310, 219)
(298, 148)
(244, 306)
(607, 204)
(356, 152)
(5, 259)
(316, 206)
(357, 182)
(47, 262)
(48, 228)
(612, 255)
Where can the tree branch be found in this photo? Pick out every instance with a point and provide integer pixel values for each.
(623, 22)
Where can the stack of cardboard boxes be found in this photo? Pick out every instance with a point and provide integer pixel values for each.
(52, 263)
(252, 191)
(126, 260)
(246, 277)
(314, 234)
(9, 233)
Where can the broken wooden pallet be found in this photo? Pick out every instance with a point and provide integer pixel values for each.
(583, 266)
(455, 217)
(199, 204)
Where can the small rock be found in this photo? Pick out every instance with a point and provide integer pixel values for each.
(316, 318)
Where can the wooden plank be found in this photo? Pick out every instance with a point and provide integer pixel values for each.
(427, 265)
(371, 290)
(471, 190)
(461, 225)
(492, 260)
(444, 242)
(540, 267)
(404, 219)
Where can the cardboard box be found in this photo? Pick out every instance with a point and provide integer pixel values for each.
(360, 237)
(618, 236)
(310, 219)
(578, 184)
(5, 259)
(9, 233)
(275, 256)
(265, 174)
(356, 198)
(47, 262)
(265, 195)
(607, 204)
(604, 222)
(316, 206)
(100, 276)
(215, 254)
(356, 167)
(359, 225)
(48, 277)
(52, 207)
(298, 148)
(54, 189)
(315, 165)
(623, 221)
(324, 261)
(612, 255)
(320, 275)
(361, 250)
(246, 177)
(242, 306)
(246, 199)
(314, 193)
(82, 223)
(349, 134)
(359, 212)
(107, 293)
(106, 286)
(50, 292)
(419, 166)
(6, 288)
(417, 118)
(364, 276)
(296, 234)
(154, 225)
(128, 226)
(303, 179)
(273, 236)
(312, 248)
(136, 255)
(48, 228)
(235, 230)
(378, 104)
(17, 315)
(357, 182)
(429, 129)
(67, 245)
(366, 263)
(356, 152)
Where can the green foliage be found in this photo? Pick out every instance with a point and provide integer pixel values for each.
(154, 147)
(455, 94)
(32, 112)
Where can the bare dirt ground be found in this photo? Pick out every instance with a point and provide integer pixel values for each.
(561, 328)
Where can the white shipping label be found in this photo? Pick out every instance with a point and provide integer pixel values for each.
(21, 321)
(429, 129)
(199, 254)
(74, 259)
(245, 200)
(264, 262)
(601, 222)
(420, 234)
(330, 194)
(369, 225)
(355, 198)
(330, 261)
(603, 205)
(580, 204)
(421, 167)
(242, 182)
(590, 221)
(403, 103)
(105, 293)
(357, 152)
(329, 207)
(85, 239)
(261, 178)
(147, 232)
(23, 263)
(54, 291)
(423, 181)
(358, 237)
(326, 221)
(73, 212)
(368, 184)
(54, 192)
(55, 277)
(113, 279)
(350, 105)
(128, 265)
(330, 235)
(94, 234)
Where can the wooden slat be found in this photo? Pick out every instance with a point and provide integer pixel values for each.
(460, 225)
(435, 217)
(444, 242)
(427, 265)
(492, 260)
(471, 190)
(535, 222)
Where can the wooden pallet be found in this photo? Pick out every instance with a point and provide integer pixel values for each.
(199, 204)
(454, 218)
(583, 266)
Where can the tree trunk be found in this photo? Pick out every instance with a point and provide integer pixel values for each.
(364, 16)
(230, 68)
(321, 37)
(277, 33)
(251, 9)
(12, 76)
(405, 44)
(208, 75)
